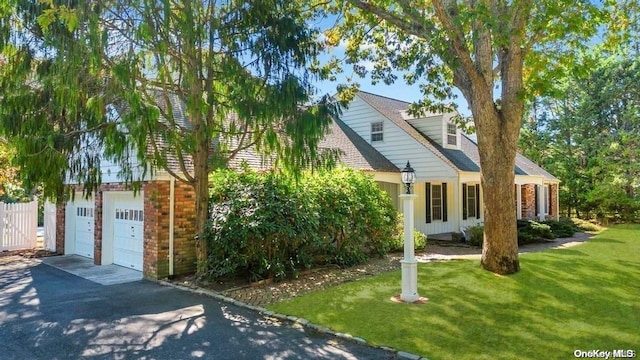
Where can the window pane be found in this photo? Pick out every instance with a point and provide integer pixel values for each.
(452, 140)
(451, 129)
(376, 131)
(471, 201)
(436, 202)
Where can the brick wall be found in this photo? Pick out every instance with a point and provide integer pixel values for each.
(156, 227)
(529, 201)
(184, 229)
(156, 230)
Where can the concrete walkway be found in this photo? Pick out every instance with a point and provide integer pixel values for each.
(100, 274)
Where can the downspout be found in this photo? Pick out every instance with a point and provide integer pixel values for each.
(172, 193)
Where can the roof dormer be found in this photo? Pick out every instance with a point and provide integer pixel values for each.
(440, 128)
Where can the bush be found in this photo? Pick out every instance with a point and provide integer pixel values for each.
(530, 231)
(475, 235)
(419, 239)
(561, 229)
(585, 225)
(270, 226)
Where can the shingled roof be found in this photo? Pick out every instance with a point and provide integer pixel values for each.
(355, 151)
(465, 159)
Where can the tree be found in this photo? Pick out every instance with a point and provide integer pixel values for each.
(187, 82)
(497, 53)
(590, 136)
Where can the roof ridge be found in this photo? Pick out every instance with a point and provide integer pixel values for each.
(384, 97)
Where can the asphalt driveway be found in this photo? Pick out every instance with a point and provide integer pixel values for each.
(46, 313)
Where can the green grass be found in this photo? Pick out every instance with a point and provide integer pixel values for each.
(585, 297)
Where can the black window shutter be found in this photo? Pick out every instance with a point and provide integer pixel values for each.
(549, 200)
(464, 201)
(536, 200)
(444, 201)
(477, 201)
(428, 196)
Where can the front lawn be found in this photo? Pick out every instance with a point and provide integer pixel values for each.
(581, 298)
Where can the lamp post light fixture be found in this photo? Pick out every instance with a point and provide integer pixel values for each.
(408, 177)
(409, 264)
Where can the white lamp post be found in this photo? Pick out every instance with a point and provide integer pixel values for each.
(409, 263)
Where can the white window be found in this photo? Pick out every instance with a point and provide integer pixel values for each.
(452, 137)
(436, 202)
(471, 200)
(377, 131)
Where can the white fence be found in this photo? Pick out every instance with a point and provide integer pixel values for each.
(18, 225)
(49, 226)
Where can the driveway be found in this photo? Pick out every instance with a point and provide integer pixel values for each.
(46, 313)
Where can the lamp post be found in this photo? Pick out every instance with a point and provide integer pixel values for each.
(409, 263)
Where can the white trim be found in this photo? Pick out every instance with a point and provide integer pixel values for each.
(518, 201)
(172, 194)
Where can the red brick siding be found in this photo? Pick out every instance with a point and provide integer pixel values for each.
(184, 229)
(156, 227)
(156, 230)
(529, 201)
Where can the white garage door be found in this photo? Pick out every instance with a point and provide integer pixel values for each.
(128, 233)
(84, 226)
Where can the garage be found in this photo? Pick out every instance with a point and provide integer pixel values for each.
(123, 236)
(79, 233)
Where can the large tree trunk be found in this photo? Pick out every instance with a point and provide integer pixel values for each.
(497, 150)
(500, 245)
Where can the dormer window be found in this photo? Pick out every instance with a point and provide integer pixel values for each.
(452, 137)
(377, 131)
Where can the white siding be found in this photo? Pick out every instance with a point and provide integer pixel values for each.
(435, 226)
(431, 126)
(397, 145)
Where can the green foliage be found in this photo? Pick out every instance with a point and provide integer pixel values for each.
(528, 231)
(588, 137)
(356, 217)
(268, 225)
(531, 231)
(587, 226)
(419, 239)
(563, 228)
(475, 234)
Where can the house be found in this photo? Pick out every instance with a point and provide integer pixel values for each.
(153, 230)
(447, 165)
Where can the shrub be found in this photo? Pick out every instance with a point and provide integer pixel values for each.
(585, 225)
(530, 231)
(419, 239)
(258, 224)
(270, 226)
(475, 234)
(561, 229)
(356, 218)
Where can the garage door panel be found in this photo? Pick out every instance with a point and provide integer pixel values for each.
(84, 230)
(128, 234)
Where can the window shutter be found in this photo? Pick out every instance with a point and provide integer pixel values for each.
(477, 201)
(464, 201)
(444, 201)
(536, 200)
(550, 202)
(428, 196)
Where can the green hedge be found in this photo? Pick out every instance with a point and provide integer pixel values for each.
(529, 231)
(268, 225)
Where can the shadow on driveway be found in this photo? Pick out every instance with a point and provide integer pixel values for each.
(46, 313)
